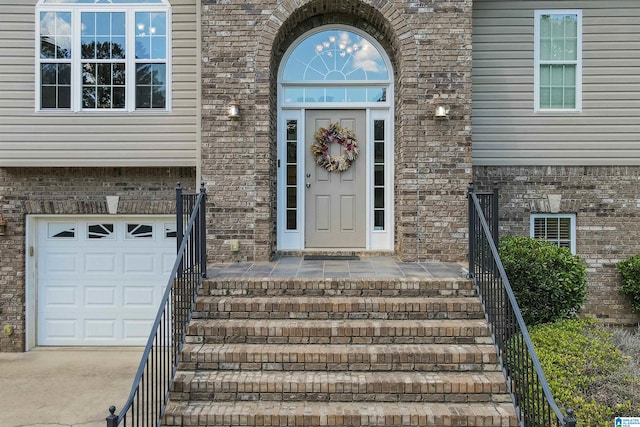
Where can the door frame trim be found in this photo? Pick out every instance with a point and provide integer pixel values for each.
(376, 240)
(294, 240)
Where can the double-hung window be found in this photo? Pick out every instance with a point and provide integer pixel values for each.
(100, 55)
(559, 229)
(558, 60)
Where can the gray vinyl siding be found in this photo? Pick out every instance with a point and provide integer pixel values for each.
(506, 131)
(47, 138)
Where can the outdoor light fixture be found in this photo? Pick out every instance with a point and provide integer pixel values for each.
(442, 111)
(3, 225)
(234, 109)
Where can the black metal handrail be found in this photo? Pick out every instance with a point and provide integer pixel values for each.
(528, 385)
(150, 391)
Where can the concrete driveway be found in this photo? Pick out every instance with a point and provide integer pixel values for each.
(64, 386)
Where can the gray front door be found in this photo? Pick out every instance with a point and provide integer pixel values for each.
(335, 201)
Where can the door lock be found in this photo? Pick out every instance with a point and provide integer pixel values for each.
(308, 185)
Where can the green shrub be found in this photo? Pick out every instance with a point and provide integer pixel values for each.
(586, 372)
(549, 282)
(630, 271)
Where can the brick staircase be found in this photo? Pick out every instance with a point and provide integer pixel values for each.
(339, 352)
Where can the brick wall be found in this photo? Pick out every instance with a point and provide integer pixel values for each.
(73, 191)
(606, 201)
(429, 44)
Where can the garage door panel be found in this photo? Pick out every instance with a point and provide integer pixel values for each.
(139, 263)
(100, 296)
(57, 296)
(95, 290)
(61, 329)
(136, 330)
(100, 263)
(167, 263)
(100, 330)
(139, 296)
(60, 262)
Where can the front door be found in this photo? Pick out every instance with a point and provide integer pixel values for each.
(335, 201)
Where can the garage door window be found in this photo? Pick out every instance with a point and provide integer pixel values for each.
(100, 231)
(62, 230)
(170, 231)
(139, 231)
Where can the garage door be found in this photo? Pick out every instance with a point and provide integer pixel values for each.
(100, 280)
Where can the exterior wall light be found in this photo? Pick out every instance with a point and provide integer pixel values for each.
(234, 109)
(442, 111)
(3, 225)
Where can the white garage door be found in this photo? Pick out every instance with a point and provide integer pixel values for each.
(100, 279)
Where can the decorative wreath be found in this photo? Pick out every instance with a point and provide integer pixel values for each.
(344, 137)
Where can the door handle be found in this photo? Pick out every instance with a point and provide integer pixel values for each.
(308, 185)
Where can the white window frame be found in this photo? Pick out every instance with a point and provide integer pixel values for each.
(577, 62)
(131, 61)
(572, 227)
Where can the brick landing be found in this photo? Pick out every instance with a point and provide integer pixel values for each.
(371, 267)
(271, 346)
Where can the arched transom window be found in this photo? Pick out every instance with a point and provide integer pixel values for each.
(335, 66)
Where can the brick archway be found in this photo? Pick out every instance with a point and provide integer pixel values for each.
(289, 22)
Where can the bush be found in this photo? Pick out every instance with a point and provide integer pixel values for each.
(587, 372)
(630, 271)
(549, 282)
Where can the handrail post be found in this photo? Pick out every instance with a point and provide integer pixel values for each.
(112, 419)
(179, 219)
(179, 216)
(496, 216)
(203, 231)
(472, 232)
(570, 420)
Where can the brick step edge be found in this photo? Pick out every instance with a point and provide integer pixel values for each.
(335, 287)
(313, 357)
(338, 414)
(338, 307)
(340, 386)
(338, 332)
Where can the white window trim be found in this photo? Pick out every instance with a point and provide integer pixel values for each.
(536, 67)
(571, 217)
(76, 73)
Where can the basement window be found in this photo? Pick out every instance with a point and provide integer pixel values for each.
(559, 229)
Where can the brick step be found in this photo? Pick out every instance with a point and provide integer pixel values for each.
(338, 287)
(354, 357)
(338, 414)
(340, 386)
(338, 308)
(338, 332)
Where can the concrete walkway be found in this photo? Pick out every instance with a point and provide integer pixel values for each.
(64, 386)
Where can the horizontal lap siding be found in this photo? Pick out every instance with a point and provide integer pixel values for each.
(30, 138)
(506, 131)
